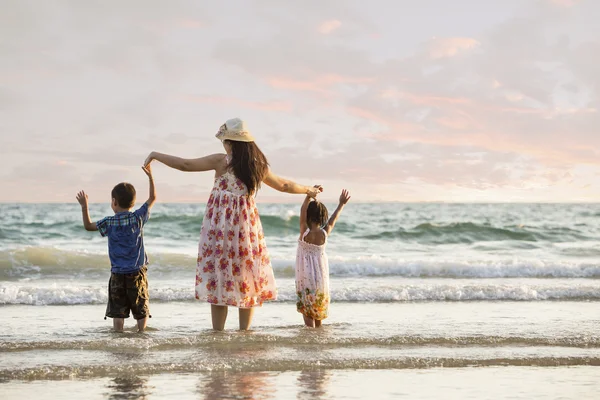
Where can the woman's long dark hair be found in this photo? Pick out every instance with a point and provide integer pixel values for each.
(249, 164)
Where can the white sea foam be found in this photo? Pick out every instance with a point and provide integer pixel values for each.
(70, 294)
(40, 262)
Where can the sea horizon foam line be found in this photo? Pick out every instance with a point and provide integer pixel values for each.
(68, 294)
(39, 262)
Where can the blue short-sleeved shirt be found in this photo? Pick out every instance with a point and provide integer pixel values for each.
(125, 239)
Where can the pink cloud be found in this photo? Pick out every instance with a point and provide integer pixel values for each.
(320, 84)
(449, 47)
(460, 121)
(292, 84)
(468, 127)
(422, 99)
(404, 130)
(189, 23)
(329, 26)
(565, 3)
(445, 101)
(282, 106)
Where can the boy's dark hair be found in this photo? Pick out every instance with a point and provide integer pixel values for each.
(124, 193)
(316, 212)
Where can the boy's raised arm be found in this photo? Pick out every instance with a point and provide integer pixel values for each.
(152, 190)
(344, 197)
(87, 222)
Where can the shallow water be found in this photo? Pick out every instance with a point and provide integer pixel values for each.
(466, 383)
(74, 342)
(429, 301)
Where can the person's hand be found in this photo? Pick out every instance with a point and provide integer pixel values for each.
(314, 191)
(82, 198)
(149, 159)
(344, 197)
(148, 170)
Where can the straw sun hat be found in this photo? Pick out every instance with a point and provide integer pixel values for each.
(234, 129)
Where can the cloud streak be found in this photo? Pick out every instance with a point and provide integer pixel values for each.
(329, 26)
(450, 47)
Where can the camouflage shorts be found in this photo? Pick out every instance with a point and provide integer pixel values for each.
(128, 292)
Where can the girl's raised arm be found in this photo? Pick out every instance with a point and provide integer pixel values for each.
(186, 164)
(303, 226)
(344, 198)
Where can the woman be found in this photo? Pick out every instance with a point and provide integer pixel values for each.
(234, 268)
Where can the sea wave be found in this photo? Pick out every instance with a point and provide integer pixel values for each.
(325, 342)
(168, 226)
(471, 232)
(71, 294)
(49, 262)
(58, 372)
(395, 223)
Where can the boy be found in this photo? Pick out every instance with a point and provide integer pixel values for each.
(128, 286)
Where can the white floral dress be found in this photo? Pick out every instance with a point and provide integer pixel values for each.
(234, 267)
(312, 279)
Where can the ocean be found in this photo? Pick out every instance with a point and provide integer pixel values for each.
(429, 301)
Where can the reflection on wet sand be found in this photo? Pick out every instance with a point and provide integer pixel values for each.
(235, 385)
(129, 387)
(313, 384)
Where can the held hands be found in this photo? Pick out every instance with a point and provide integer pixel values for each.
(148, 170)
(82, 198)
(149, 159)
(314, 191)
(344, 197)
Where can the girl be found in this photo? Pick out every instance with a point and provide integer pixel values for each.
(312, 267)
(234, 268)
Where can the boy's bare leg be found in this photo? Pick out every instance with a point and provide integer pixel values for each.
(246, 315)
(118, 324)
(142, 324)
(219, 316)
(317, 323)
(309, 321)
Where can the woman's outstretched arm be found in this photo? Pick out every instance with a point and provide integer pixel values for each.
(186, 164)
(287, 186)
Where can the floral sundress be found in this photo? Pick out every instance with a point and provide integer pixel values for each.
(234, 267)
(312, 279)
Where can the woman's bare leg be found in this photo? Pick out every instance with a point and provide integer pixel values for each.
(317, 323)
(246, 315)
(219, 316)
(309, 321)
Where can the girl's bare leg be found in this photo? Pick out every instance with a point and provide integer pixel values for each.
(118, 324)
(219, 316)
(246, 315)
(317, 323)
(142, 324)
(309, 321)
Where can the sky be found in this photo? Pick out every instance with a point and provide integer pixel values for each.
(395, 100)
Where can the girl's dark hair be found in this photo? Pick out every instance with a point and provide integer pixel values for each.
(249, 164)
(316, 212)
